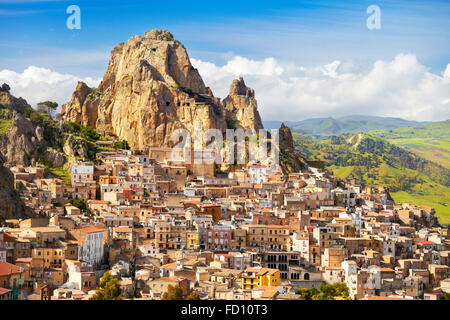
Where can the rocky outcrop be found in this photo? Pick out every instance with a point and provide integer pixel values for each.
(20, 143)
(289, 160)
(75, 110)
(26, 140)
(55, 158)
(74, 147)
(286, 140)
(10, 102)
(150, 89)
(11, 206)
(241, 107)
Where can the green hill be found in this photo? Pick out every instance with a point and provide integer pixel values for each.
(431, 141)
(376, 162)
(326, 127)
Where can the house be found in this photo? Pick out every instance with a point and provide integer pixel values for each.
(91, 244)
(259, 277)
(12, 277)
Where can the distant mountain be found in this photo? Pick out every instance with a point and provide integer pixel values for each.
(326, 127)
(376, 162)
(270, 125)
(431, 141)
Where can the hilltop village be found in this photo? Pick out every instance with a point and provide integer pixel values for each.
(85, 215)
(251, 234)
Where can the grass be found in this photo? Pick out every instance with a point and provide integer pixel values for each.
(439, 200)
(431, 141)
(61, 173)
(5, 125)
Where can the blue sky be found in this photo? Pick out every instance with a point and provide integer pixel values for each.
(306, 33)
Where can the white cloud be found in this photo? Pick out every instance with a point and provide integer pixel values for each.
(399, 88)
(36, 84)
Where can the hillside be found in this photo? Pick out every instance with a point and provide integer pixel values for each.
(326, 127)
(376, 162)
(430, 141)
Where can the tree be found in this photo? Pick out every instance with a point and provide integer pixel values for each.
(47, 106)
(326, 292)
(82, 205)
(109, 288)
(123, 144)
(89, 133)
(193, 296)
(308, 294)
(173, 293)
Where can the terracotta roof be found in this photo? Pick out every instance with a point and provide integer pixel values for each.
(4, 291)
(92, 229)
(426, 242)
(172, 265)
(123, 229)
(386, 270)
(385, 298)
(269, 291)
(8, 268)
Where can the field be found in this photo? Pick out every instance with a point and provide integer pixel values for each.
(431, 141)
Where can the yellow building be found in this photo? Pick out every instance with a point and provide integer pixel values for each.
(260, 277)
(48, 257)
(192, 240)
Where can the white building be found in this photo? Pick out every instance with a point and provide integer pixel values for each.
(82, 172)
(91, 248)
(301, 244)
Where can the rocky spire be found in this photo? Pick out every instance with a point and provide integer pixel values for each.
(286, 139)
(150, 89)
(242, 107)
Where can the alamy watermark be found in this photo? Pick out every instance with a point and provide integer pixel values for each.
(74, 20)
(374, 19)
(234, 146)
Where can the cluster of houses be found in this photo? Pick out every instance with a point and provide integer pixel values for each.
(255, 233)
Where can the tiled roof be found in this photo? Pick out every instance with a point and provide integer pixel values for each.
(8, 268)
(4, 291)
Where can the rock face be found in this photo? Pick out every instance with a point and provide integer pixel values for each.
(286, 140)
(9, 101)
(241, 106)
(11, 206)
(74, 147)
(19, 144)
(289, 161)
(25, 141)
(78, 112)
(150, 89)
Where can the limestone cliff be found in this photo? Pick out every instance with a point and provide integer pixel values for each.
(150, 89)
(286, 140)
(25, 135)
(21, 139)
(289, 160)
(241, 106)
